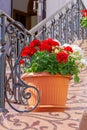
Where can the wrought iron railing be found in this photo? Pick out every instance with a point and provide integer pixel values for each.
(63, 25)
(13, 38)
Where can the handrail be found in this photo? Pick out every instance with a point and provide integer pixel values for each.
(13, 21)
(84, 3)
(13, 37)
(43, 22)
(63, 25)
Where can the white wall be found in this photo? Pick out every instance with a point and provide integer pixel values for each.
(53, 6)
(5, 5)
(85, 3)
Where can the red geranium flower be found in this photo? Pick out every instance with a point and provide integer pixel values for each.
(25, 51)
(21, 61)
(62, 57)
(45, 46)
(35, 44)
(32, 51)
(68, 49)
(48, 44)
(84, 13)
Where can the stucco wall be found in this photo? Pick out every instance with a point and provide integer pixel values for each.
(53, 6)
(5, 5)
(85, 3)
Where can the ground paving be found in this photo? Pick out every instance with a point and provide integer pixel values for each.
(69, 119)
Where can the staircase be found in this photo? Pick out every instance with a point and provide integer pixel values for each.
(63, 25)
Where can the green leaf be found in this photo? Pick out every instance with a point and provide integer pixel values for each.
(76, 79)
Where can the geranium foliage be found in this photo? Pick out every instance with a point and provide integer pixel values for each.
(50, 56)
(83, 20)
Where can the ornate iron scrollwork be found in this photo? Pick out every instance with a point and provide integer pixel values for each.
(17, 92)
(63, 25)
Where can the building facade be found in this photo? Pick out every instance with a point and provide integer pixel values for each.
(30, 12)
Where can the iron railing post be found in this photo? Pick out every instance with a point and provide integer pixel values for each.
(2, 65)
(64, 25)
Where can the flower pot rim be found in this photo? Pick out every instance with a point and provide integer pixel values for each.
(46, 74)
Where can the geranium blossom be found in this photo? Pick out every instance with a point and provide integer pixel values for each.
(51, 56)
(28, 51)
(62, 57)
(48, 44)
(84, 13)
(21, 61)
(35, 44)
(25, 51)
(76, 48)
(68, 49)
(83, 20)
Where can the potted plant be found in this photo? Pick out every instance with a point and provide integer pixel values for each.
(83, 20)
(51, 67)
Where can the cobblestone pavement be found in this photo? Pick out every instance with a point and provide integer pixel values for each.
(67, 120)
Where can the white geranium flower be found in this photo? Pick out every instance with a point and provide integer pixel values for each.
(84, 61)
(76, 48)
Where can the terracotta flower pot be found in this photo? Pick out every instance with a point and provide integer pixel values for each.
(53, 88)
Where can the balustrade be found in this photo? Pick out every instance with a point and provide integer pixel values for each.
(64, 25)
